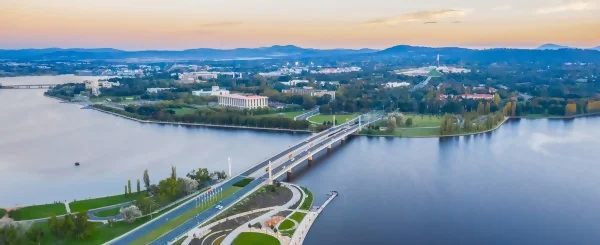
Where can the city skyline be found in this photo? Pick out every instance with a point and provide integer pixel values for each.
(226, 24)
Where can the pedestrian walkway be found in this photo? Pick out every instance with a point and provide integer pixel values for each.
(309, 219)
(266, 230)
(67, 207)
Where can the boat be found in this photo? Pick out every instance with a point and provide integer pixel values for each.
(76, 163)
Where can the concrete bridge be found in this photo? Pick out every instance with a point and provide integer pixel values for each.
(28, 86)
(263, 173)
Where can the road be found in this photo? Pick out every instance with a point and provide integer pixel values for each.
(261, 168)
(202, 217)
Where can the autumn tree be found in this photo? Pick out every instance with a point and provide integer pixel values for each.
(571, 109)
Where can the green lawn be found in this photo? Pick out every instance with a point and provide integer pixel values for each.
(434, 73)
(84, 205)
(243, 182)
(108, 212)
(39, 211)
(2, 213)
(341, 118)
(185, 111)
(308, 201)
(289, 115)
(416, 132)
(421, 120)
(298, 216)
(286, 224)
(252, 238)
(156, 233)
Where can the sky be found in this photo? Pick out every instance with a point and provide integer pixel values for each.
(184, 24)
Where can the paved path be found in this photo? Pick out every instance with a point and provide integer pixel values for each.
(67, 207)
(244, 228)
(307, 222)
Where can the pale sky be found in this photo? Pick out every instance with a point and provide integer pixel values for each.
(183, 24)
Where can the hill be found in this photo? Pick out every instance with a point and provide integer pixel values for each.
(551, 46)
(188, 54)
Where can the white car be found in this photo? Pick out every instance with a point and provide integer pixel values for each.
(219, 207)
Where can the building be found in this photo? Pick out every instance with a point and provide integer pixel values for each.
(309, 91)
(107, 84)
(396, 84)
(293, 83)
(156, 90)
(243, 101)
(215, 91)
(478, 96)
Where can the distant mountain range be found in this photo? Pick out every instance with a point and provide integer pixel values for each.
(551, 46)
(188, 54)
(546, 52)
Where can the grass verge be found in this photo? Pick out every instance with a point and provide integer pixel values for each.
(2, 213)
(289, 115)
(308, 201)
(286, 224)
(172, 224)
(243, 182)
(84, 205)
(180, 241)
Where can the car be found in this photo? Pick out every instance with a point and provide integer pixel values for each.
(219, 207)
(293, 159)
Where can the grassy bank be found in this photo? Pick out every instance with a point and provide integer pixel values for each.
(84, 205)
(39, 211)
(2, 213)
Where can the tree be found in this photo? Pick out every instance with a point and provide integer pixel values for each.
(145, 204)
(10, 234)
(391, 124)
(173, 173)
(35, 234)
(130, 213)
(168, 190)
(138, 186)
(480, 108)
(496, 99)
(189, 185)
(68, 225)
(220, 175)
(129, 186)
(125, 190)
(54, 225)
(513, 109)
(83, 228)
(487, 108)
(202, 176)
(409, 122)
(571, 109)
(146, 179)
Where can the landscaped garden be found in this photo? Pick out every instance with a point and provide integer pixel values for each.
(108, 212)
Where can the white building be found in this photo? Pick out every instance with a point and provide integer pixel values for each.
(107, 84)
(156, 90)
(309, 91)
(243, 101)
(396, 84)
(215, 91)
(293, 83)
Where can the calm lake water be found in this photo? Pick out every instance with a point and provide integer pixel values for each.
(530, 182)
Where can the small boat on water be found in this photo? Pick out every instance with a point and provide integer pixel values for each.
(76, 163)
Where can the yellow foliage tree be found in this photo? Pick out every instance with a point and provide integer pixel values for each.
(571, 109)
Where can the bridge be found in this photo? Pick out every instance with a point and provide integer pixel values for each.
(264, 173)
(27, 86)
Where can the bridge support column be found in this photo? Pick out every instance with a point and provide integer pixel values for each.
(329, 148)
(289, 175)
(310, 160)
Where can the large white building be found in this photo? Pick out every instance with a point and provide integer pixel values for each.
(215, 91)
(156, 90)
(396, 84)
(243, 101)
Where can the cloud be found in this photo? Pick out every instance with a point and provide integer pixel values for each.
(421, 16)
(568, 6)
(503, 7)
(430, 22)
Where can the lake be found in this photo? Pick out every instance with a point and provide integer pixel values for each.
(530, 182)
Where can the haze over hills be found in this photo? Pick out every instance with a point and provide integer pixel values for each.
(547, 51)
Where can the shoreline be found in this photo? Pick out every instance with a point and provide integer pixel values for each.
(560, 117)
(200, 124)
(442, 136)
